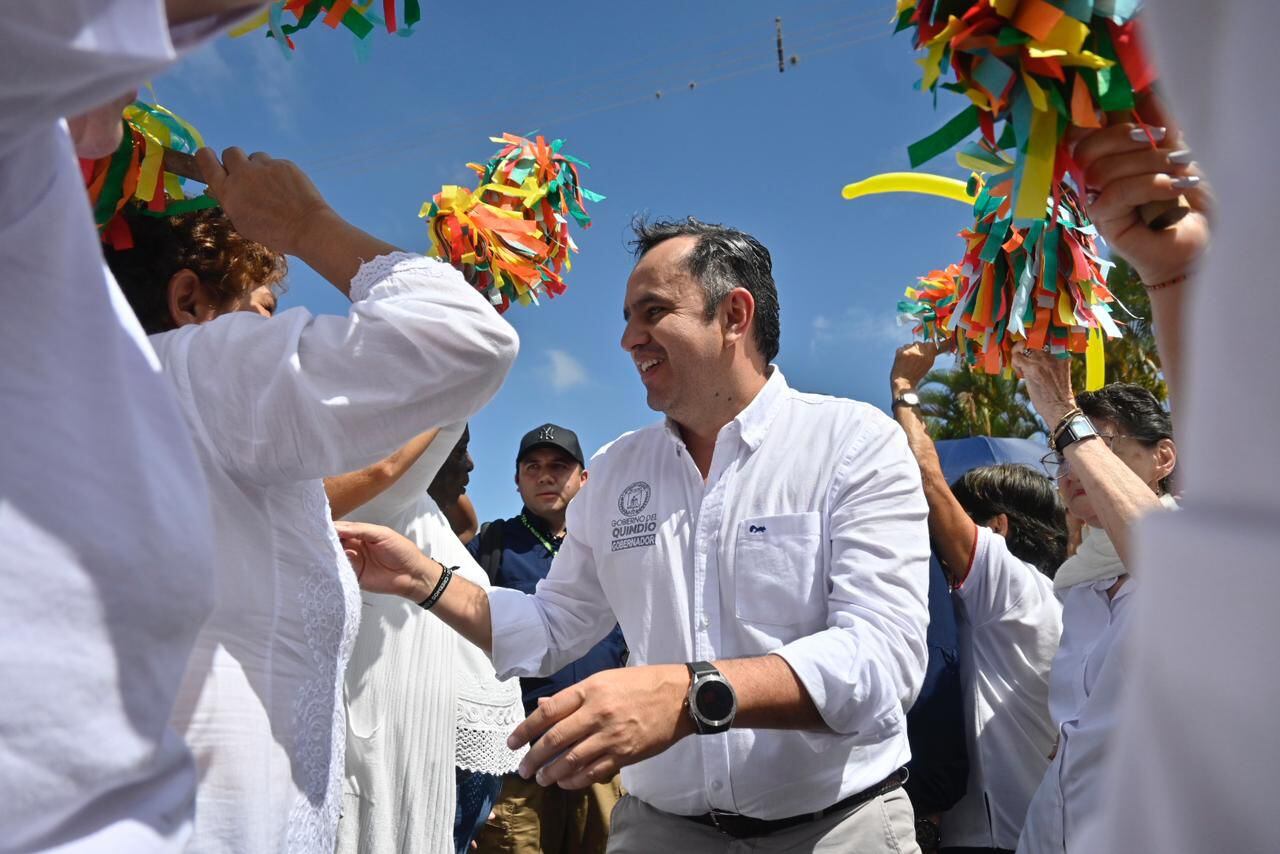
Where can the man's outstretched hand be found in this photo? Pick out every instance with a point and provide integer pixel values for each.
(614, 718)
(387, 562)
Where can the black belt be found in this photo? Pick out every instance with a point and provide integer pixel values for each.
(745, 827)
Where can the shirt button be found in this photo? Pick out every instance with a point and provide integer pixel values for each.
(703, 622)
(716, 785)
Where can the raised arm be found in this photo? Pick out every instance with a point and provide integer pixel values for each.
(297, 396)
(274, 203)
(953, 533)
(348, 491)
(1123, 172)
(1117, 493)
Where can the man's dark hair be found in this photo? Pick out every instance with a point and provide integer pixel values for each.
(723, 259)
(1133, 409)
(1037, 522)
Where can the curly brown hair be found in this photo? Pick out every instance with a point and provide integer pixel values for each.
(204, 242)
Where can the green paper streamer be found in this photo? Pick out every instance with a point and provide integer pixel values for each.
(113, 188)
(944, 138)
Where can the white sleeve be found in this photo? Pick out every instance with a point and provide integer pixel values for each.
(567, 614)
(300, 396)
(61, 57)
(866, 668)
(998, 582)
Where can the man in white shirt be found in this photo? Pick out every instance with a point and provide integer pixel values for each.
(1000, 533)
(778, 534)
(104, 516)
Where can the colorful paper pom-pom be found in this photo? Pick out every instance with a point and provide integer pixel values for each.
(359, 18)
(510, 235)
(1033, 66)
(138, 170)
(1044, 285)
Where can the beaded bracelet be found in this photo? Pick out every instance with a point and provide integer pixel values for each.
(1159, 286)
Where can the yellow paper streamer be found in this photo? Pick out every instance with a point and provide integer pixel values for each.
(1095, 361)
(1037, 170)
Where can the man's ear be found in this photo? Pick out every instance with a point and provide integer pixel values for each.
(584, 476)
(737, 310)
(1000, 524)
(189, 299)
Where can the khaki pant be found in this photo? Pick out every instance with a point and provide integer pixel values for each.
(883, 825)
(530, 819)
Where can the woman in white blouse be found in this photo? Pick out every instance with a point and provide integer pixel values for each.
(1113, 457)
(420, 704)
(275, 404)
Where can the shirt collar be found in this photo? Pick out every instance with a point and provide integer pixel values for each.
(538, 522)
(752, 423)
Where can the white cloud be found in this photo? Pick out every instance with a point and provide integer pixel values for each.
(276, 81)
(205, 70)
(566, 371)
(856, 325)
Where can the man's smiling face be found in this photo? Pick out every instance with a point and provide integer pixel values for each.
(674, 347)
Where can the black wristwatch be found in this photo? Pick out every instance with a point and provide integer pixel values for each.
(907, 398)
(1072, 430)
(928, 836)
(712, 701)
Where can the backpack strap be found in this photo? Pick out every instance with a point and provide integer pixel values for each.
(490, 557)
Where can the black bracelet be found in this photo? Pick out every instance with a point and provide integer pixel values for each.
(445, 575)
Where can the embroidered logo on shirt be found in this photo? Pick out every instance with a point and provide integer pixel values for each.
(634, 499)
(755, 529)
(633, 530)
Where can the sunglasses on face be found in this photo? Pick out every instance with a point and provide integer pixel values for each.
(1056, 466)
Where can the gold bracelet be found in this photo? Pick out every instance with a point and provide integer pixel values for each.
(1062, 425)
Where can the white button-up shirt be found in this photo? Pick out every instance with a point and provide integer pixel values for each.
(1085, 687)
(807, 539)
(1009, 631)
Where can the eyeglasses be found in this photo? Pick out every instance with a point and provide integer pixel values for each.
(1056, 466)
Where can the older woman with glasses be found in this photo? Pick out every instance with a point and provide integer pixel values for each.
(1113, 456)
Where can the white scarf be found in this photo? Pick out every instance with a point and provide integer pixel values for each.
(1096, 558)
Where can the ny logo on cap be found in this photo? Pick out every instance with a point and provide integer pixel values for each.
(547, 434)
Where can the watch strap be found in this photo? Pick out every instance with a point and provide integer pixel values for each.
(1072, 430)
(701, 668)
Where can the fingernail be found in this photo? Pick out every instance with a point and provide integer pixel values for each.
(1186, 182)
(1141, 134)
(523, 770)
(1181, 157)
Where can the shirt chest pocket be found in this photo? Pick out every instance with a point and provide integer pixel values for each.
(776, 567)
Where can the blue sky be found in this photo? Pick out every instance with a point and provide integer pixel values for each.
(745, 145)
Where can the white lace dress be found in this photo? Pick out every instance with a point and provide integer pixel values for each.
(274, 405)
(421, 701)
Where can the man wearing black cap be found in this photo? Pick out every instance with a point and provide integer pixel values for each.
(517, 553)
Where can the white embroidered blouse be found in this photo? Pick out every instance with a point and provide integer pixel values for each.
(274, 405)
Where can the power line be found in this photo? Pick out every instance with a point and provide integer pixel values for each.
(374, 161)
(735, 68)
(600, 80)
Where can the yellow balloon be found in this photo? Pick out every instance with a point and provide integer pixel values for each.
(909, 182)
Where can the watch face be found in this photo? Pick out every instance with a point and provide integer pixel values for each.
(714, 700)
(911, 398)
